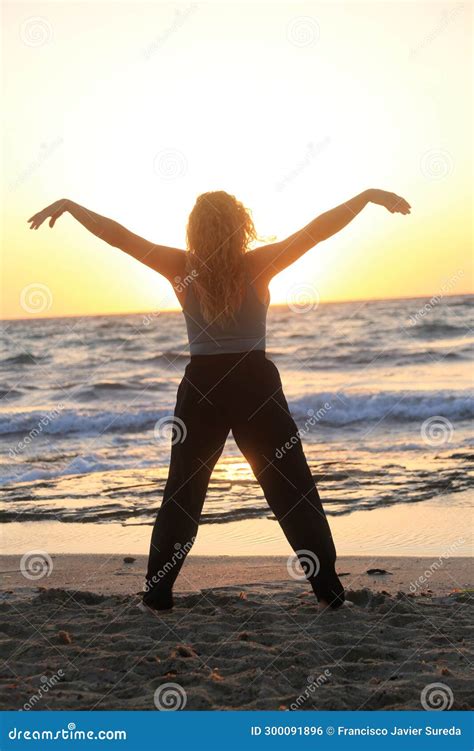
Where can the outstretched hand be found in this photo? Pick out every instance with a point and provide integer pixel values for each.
(393, 203)
(53, 212)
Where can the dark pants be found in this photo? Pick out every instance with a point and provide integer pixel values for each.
(242, 393)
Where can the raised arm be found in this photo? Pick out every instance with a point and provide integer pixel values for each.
(160, 258)
(271, 259)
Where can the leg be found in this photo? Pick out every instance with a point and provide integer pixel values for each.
(289, 488)
(192, 462)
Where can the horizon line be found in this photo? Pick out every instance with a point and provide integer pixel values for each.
(272, 305)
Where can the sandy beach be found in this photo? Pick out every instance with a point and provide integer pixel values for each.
(243, 635)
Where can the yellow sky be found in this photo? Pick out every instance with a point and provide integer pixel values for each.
(133, 109)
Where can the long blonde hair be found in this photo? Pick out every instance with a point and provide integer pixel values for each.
(219, 232)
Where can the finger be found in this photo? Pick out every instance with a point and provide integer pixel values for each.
(404, 203)
(38, 221)
(401, 206)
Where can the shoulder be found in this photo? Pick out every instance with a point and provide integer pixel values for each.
(262, 259)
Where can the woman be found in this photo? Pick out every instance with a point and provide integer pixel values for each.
(229, 384)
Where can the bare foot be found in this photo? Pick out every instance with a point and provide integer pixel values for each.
(324, 606)
(144, 608)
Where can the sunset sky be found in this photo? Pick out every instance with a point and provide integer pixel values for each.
(133, 109)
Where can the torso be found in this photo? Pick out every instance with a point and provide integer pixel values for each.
(259, 283)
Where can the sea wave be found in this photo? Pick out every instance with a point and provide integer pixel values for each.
(23, 358)
(334, 409)
(79, 465)
(436, 329)
(340, 409)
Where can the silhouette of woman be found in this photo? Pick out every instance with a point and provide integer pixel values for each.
(229, 383)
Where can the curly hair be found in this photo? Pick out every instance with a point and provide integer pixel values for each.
(219, 232)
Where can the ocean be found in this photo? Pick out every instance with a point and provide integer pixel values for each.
(381, 392)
